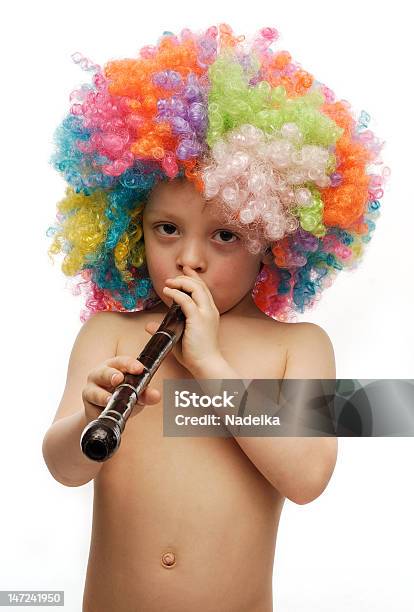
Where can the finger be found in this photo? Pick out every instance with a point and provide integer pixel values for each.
(125, 363)
(185, 301)
(106, 377)
(189, 273)
(149, 397)
(198, 290)
(112, 374)
(151, 327)
(193, 274)
(95, 395)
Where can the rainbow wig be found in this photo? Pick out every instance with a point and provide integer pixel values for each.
(251, 128)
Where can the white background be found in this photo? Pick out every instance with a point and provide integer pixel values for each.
(351, 549)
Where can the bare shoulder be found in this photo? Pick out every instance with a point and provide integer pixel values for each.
(290, 333)
(298, 332)
(140, 316)
(310, 353)
(132, 324)
(96, 342)
(104, 329)
(103, 321)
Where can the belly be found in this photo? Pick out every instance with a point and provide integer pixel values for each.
(180, 524)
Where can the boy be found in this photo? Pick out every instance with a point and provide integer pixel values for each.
(189, 523)
(226, 165)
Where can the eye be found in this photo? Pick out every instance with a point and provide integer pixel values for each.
(226, 235)
(169, 229)
(168, 225)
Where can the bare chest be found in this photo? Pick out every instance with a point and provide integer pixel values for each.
(255, 348)
(200, 499)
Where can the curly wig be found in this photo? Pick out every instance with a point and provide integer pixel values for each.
(251, 128)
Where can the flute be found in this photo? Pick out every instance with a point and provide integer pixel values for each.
(102, 437)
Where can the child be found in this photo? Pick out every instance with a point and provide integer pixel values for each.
(247, 184)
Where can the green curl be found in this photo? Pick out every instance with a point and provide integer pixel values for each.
(232, 102)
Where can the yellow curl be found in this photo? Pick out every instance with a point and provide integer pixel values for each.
(130, 248)
(83, 228)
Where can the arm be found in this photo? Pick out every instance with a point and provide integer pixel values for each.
(62, 453)
(96, 341)
(299, 468)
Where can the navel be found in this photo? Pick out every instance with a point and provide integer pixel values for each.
(168, 559)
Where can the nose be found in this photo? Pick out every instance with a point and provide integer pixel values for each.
(192, 255)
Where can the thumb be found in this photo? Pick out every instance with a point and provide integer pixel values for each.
(151, 327)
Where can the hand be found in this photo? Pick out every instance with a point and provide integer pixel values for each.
(199, 343)
(102, 381)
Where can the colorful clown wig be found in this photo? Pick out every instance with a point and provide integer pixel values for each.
(251, 128)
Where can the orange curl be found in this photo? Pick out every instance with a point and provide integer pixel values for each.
(133, 77)
(226, 37)
(193, 173)
(304, 81)
(280, 251)
(344, 204)
(338, 111)
(295, 85)
(281, 60)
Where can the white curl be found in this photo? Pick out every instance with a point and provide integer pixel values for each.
(260, 177)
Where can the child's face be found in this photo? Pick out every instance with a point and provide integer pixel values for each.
(180, 228)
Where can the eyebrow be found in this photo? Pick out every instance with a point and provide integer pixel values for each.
(169, 214)
(162, 213)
